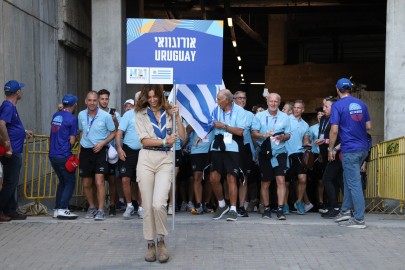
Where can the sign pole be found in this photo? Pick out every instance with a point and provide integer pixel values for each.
(174, 159)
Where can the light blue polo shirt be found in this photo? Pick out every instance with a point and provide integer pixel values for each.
(95, 130)
(313, 136)
(299, 128)
(265, 122)
(236, 117)
(179, 142)
(127, 125)
(203, 146)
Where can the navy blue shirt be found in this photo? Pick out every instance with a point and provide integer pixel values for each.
(15, 128)
(63, 125)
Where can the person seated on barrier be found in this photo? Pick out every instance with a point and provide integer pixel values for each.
(62, 138)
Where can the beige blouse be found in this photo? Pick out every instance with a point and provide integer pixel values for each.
(144, 127)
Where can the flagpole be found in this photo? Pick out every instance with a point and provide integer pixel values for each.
(174, 159)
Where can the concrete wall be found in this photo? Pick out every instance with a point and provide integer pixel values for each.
(30, 53)
(395, 70)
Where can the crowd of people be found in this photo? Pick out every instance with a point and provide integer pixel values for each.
(259, 160)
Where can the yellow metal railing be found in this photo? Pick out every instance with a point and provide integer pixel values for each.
(40, 180)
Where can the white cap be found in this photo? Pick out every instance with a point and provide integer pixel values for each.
(265, 92)
(130, 101)
(112, 155)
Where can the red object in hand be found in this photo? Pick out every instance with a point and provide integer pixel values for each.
(72, 163)
(2, 150)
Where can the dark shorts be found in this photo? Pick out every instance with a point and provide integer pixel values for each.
(127, 168)
(296, 167)
(246, 159)
(317, 170)
(199, 162)
(225, 162)
(269, 173)
(179, 158)
(93, 163)
(112, 168)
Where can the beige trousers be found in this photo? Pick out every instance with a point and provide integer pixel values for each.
(154, 176)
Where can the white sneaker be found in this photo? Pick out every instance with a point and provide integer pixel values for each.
(140, 212)
(129, 212)
(308, 207)
(170, 210)
(65, 214)
(55, 213)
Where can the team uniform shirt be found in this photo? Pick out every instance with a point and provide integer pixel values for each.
(351, 115)
(264, 122)
(63, 125)
(95, 130)
(179, 142)
(236, 117)
(313, 136)
(247, 132)
(15, 128)
(299, 128)
(127, 125)
(203, 146)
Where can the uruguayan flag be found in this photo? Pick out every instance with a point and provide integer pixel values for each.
(196, 103)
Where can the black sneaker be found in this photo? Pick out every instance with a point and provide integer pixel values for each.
(242, 212)
(322, 208)
(266, 213)
(331, 213)
(280, 214)
(112, 212)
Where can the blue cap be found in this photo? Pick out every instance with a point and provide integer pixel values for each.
(69, 100)
(344, 84)
(13, 86)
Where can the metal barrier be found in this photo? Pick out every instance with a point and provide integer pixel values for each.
(40, 180)
(371, 192)
(391, 171)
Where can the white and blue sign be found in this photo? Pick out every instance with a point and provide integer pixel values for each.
(161, 51)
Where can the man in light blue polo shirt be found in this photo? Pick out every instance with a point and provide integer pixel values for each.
(295, 149)
(128, 154)
(96, 129)
(246, 155)
(103, 101)
(274, 125)
(229, 121)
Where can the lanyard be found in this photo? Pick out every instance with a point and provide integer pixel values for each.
(230, 117)
(324, 126)
(91, 122)
(267, 122)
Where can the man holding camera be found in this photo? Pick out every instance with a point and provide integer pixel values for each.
(274, 126)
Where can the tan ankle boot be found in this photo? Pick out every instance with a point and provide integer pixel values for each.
(151, 254)
(163, 254)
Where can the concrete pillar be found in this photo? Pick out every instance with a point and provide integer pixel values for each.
(395, 70)
(108, 49)
(277, 40)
